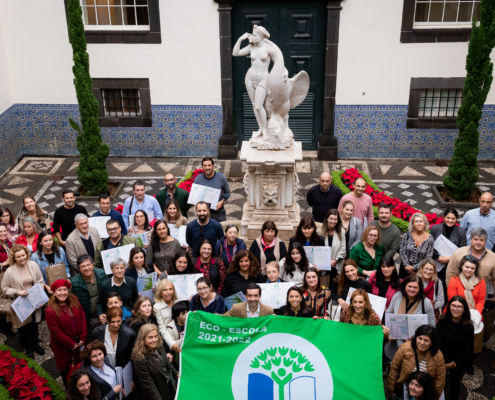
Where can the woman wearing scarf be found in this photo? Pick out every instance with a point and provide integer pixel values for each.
(268, 247)
(468, 284)
(210, 266)
(228, 246)
(432, 285)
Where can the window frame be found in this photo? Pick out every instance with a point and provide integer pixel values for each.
(142, 84)
(418, 84)
(430, 33)
(134, 34)
(442, 25)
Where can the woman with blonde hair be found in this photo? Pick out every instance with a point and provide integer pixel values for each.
(31, 209)
(359, 311)
(30, 233)
(417, 244)
(155, 372)
(165, 297)
(19, 277)
(369, 252)
(433, 286)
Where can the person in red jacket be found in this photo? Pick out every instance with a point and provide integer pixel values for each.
(67, 324)
(469, 284)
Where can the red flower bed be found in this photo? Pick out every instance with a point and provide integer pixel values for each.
(21, 381)
(400, 209)
(188, 180)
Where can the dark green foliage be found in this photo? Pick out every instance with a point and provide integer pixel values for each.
(92, 172)
(463, 170)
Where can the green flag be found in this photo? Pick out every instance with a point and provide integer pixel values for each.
(279, 358)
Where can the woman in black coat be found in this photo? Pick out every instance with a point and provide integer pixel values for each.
(456, 332)
(451, 231)
(94, 355)
(137, 266)
(306, 233)
(155, 372)
(244, 270)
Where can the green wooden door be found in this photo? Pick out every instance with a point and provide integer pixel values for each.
(298, 28)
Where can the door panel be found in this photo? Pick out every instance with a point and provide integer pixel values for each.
(299, 30)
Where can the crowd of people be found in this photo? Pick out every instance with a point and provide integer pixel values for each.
(102, 322)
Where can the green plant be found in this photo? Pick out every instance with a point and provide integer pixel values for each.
(463, 170)
(4, 393)
(282, 367)
(92, 171)
(57, 392)
(337, 181)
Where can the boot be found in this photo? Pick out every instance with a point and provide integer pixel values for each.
(38, 349)
(29, 353)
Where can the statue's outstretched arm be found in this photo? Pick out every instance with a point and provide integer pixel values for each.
(238, 52)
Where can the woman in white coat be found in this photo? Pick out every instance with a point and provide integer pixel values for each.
(165, 297)
(334, 235)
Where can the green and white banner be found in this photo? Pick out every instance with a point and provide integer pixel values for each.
(279, 358)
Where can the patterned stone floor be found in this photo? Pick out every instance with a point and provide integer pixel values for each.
(411, 181)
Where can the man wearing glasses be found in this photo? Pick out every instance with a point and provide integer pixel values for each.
(115, 239)
(173, 192)
(477, 251)
(82, 240)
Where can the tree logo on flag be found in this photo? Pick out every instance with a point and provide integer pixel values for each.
(282, 366)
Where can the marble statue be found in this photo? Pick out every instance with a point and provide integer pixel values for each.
(272, 93)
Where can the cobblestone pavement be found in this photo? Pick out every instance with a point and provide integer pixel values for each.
(411, 181)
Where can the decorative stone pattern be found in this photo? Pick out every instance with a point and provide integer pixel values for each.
(380, 131)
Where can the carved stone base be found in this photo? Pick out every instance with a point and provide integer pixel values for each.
(270, 183)
(260, 144)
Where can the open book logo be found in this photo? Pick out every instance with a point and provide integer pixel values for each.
(281, 366)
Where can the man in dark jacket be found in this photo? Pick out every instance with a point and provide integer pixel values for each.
(86, 286)
(173, 192)
(323, 197)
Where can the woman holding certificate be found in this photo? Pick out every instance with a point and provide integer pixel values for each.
(316, 295)
(244, 270)
(369, 252)
(334, 236)
(228, 246)
(141, 225)
(137, 264)
(19, 277)
(162, 248)
(452, 232)
(469, 284)
(352, 226)
(385, 281)
(419, 354)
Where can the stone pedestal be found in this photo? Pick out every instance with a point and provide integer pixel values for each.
(270, 183)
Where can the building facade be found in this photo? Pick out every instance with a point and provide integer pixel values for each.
(386, 76)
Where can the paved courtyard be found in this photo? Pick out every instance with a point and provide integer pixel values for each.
(46, 177)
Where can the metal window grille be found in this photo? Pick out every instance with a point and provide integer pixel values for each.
(439, 102)
(121, 102)
(115, 12)
(447, 11)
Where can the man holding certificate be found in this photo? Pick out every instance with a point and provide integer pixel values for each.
(216, 180)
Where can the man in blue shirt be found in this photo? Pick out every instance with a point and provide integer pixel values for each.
(216, 180)
(203, 228)
(104, 202)
(482, 217)
(141, 201)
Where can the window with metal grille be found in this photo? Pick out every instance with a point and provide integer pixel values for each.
(439, 102)
(126, 13)
(121, 102)
(434, 12)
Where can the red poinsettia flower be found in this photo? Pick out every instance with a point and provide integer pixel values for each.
(120, 208)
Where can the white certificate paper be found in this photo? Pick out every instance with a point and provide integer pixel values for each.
(319, 256)
(203, 193)
(37, 296)
(377, 303)
(274, 295)
(23, 308)
(100, 223)
(178, 233)
(444, 246)
(185, 285)
(127, 378)
(415, 321)
(397, 323)
(122, 252)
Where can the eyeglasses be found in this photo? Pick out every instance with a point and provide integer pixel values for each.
(112, 229)
(472, 258)
(203, 289)
(456, 307)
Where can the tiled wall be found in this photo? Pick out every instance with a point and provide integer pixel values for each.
(363, 131)
(380, 131)
(177, 131)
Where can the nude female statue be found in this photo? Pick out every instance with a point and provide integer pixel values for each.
(271, 93)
